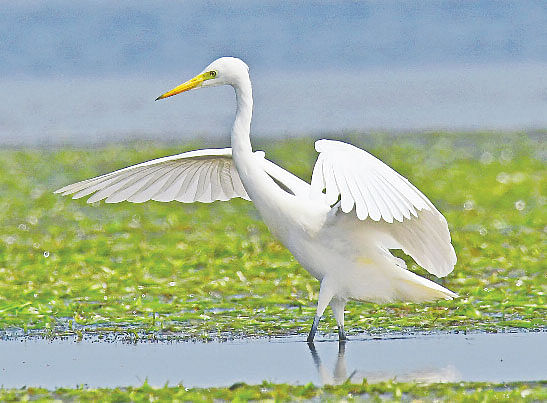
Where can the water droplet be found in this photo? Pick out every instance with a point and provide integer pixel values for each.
(46, 254)
(525, 393)
(520, 205)
(499, 224)
(105, 298)
(503, 178)
(241, 276)
(469, 205)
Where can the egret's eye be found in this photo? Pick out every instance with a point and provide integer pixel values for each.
(213, 74)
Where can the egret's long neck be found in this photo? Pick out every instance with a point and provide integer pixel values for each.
(268, 197)
(257, 183)
(241, 142)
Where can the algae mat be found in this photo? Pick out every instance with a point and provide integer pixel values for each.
(214, 271)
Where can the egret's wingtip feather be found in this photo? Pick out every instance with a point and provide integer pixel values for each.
(450, 295)
(95, 198)
(65, 190)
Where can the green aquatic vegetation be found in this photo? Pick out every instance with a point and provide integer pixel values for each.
(385, 391)
(208, 271)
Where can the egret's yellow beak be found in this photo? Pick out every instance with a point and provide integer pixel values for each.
(188, 85)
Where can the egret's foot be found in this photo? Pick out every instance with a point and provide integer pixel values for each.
(341, 334)
(313, 328)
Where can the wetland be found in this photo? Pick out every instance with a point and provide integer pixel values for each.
(152, 287)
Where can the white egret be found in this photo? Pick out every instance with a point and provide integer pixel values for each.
(340, 227)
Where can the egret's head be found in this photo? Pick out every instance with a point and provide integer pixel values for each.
(223, 71)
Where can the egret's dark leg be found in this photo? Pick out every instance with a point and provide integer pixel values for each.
(341, 333)
(326, 292)
(313, 329)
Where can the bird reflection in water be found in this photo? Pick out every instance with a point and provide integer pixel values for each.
(447, 373)
(340, 374)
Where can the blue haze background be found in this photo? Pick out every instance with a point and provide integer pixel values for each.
(88, 72)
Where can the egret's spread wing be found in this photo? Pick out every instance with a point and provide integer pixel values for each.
(377, 191)
(363, 181)
(202, 175)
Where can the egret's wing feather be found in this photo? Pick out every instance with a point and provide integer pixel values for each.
(427, 239)
(202, 175)
(364, 182)
(390, 200)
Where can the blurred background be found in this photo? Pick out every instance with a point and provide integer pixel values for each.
(88, 72)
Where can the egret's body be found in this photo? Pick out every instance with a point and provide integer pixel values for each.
(341, 237)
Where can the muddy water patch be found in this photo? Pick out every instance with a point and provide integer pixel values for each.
(500, 357)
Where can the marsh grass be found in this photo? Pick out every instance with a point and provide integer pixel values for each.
(385, 391)
(213, 270)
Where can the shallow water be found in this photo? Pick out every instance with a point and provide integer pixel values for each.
(500, 357)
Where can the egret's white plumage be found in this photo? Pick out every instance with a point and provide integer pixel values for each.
(202, 175)
(340, 228)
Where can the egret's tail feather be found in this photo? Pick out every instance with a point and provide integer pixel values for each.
(412, 287)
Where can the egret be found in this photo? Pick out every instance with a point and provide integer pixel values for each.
(340, 227)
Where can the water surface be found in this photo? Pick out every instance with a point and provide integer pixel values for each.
(500, 357)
